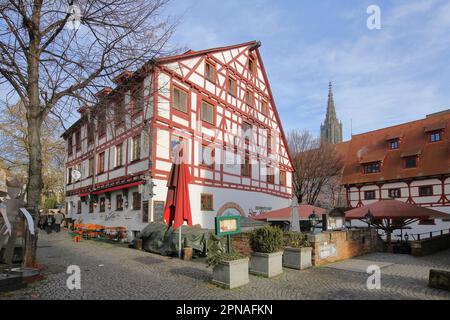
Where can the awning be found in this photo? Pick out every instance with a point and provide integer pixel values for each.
(83, 195)
(123, 186)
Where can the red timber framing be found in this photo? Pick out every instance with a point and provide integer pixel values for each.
(228, 62)
(407, 194)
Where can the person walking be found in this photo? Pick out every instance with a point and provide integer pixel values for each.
(49, 226)
(58, 220)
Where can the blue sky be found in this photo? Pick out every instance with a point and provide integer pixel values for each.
(381, 77)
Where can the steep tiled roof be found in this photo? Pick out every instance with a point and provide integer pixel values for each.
(434, 157)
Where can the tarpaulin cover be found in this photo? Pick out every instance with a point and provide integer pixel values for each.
(157, 238)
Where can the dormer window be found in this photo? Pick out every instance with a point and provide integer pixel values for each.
(435, 136)
(394, 144)
(410, 162)
(373, 167)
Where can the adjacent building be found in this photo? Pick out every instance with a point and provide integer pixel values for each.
(408, 162)
(214, 105)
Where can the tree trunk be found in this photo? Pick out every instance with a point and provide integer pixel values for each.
(34, 120)
(388, 237)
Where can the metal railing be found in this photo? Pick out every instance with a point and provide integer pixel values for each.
(429, 235)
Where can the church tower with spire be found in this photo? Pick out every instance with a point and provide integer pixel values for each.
(331, 129)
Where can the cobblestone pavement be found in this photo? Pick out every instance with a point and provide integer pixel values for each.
(114, 272)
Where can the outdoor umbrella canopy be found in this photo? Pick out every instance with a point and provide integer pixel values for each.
(178, 207)
(396, 210)
(390, 215)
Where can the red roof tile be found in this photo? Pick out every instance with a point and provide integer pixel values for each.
(434, 158)
(304, 211)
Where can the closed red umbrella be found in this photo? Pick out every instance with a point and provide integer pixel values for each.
(178, 207)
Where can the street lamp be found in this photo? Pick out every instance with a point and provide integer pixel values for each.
(313, 219)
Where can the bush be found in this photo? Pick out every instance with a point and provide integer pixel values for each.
(295, 240)
(216, 258)
(217, 253)
(267, 239)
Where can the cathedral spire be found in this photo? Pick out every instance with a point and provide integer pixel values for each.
(331, 130)
(331, 110)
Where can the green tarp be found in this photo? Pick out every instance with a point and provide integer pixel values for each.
(157, 238)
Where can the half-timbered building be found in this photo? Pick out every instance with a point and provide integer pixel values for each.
(215, 105)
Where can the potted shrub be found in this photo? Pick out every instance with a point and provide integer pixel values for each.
(266, 258)
(297, 251)
(229, 270)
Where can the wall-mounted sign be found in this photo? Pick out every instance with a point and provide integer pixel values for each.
(228, 225)
(145, 213)
(326, 251)
(158, 211)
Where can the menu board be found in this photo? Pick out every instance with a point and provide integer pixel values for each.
(158, 211)
(228, 225)
(145, 212)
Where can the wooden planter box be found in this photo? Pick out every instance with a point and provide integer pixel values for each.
(231, 274)
(266, 264)
(297, 258)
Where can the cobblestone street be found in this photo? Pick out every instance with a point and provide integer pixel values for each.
(114, 272)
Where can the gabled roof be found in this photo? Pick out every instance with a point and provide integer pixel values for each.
(284, 214)
(192, 53)
(434, 158)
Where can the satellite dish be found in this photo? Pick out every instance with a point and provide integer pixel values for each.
(76, 175)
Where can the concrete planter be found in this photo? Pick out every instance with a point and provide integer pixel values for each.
(231, 274)
(297, 258)
(439, 279)
(266, 264)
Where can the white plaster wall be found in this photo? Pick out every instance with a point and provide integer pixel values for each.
(132, 220)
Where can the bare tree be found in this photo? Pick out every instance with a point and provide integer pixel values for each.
(55, 55)
(15, 149)
(316, 163)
